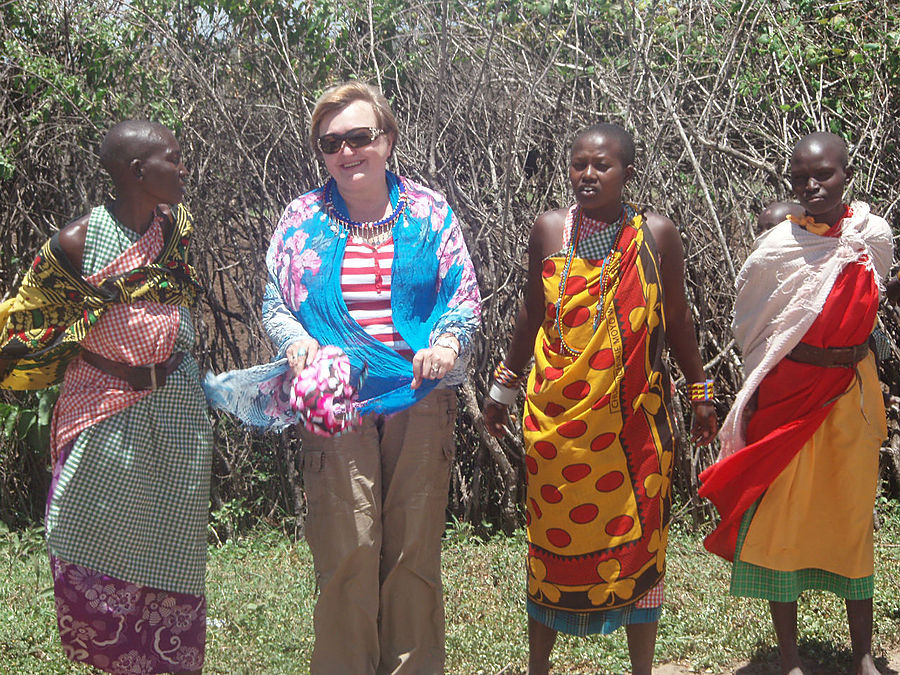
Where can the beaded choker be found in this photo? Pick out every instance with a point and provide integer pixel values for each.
(809, 223)
(372, 232)
(608, 269)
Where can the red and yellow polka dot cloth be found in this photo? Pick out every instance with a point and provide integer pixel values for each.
(598, 434)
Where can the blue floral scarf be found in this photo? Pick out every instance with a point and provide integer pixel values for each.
(433, 291)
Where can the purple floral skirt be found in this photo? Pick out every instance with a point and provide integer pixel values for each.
(120, 627)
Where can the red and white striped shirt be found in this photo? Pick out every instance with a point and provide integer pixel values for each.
(366, 287)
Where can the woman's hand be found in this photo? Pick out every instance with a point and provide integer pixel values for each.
(432, 363)
(300, 353)
(704, 424)
(496, 418)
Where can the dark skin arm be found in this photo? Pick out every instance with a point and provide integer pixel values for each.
(71, 239)
(546, 239)
(679, 325)
(893, 290)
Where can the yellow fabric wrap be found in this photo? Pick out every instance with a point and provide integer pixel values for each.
(54, 307)
(799, 524)
(598, 434)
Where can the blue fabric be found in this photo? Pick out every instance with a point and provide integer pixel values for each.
(325, 317)
(433, 291)
(239, 392)
(260, 396)
(591, 623)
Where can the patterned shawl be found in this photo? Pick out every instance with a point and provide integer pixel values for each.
(55, 306)
(433, 291)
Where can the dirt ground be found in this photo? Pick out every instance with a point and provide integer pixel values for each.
(888, 664)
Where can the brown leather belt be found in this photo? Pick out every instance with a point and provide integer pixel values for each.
(140, 378)
(829, 357)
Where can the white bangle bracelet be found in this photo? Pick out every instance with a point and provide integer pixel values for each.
(503, 395)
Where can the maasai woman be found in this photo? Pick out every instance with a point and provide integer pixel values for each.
(376, 265)
(105, 307)
(605, 293)
(796, 480)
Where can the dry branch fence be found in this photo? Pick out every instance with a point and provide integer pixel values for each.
(489, 96)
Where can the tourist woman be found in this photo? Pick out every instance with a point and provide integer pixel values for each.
(375, 264)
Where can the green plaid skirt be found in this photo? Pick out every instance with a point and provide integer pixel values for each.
(752, 581)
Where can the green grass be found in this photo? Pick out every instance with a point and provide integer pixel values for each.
(261, 595)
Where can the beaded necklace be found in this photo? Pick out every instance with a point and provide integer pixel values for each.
(376, 232)
(608, 268)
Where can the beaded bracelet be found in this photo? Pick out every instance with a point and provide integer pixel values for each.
(702, 391)
(506, 377)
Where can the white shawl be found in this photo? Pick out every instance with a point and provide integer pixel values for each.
(782, 288)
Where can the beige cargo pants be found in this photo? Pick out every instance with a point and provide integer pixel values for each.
(376, 513)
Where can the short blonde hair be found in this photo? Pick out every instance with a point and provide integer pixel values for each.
(340, 96)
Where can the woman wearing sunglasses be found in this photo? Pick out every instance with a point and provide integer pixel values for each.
(375, 264)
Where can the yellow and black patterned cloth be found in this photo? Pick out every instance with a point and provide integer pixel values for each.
(55, 307)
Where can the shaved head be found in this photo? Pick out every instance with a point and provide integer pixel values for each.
(614, 132)
(820, 173)
(775, 213)
(823, 141)
(127, 141)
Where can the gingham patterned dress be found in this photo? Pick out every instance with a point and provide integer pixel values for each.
(127, 511)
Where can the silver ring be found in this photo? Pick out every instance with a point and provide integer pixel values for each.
(300, 352)
(435, 369)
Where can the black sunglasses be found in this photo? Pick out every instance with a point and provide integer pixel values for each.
(355, 138)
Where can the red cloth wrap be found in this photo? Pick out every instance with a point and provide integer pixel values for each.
(794, 399)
